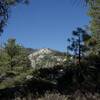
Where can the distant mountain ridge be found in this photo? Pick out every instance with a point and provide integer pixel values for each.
(46, 57)
(30, 50)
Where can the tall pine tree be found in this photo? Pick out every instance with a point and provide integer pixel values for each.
(94, 12)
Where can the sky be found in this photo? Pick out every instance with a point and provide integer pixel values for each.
(45, 23)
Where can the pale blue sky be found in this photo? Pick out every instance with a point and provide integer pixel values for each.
(45, 23)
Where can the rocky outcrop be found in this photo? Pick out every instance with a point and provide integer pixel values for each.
(46, 57)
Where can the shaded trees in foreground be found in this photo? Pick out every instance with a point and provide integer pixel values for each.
(65, 79)
(72, 81)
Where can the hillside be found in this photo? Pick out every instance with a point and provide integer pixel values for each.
(45, 57)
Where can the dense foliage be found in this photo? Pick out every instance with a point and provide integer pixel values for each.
(94, 13)
(14, 63)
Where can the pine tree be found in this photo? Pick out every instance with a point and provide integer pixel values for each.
(78, 43)
(18, 56)
(94, 12)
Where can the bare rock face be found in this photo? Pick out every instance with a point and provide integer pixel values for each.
(46, 57)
